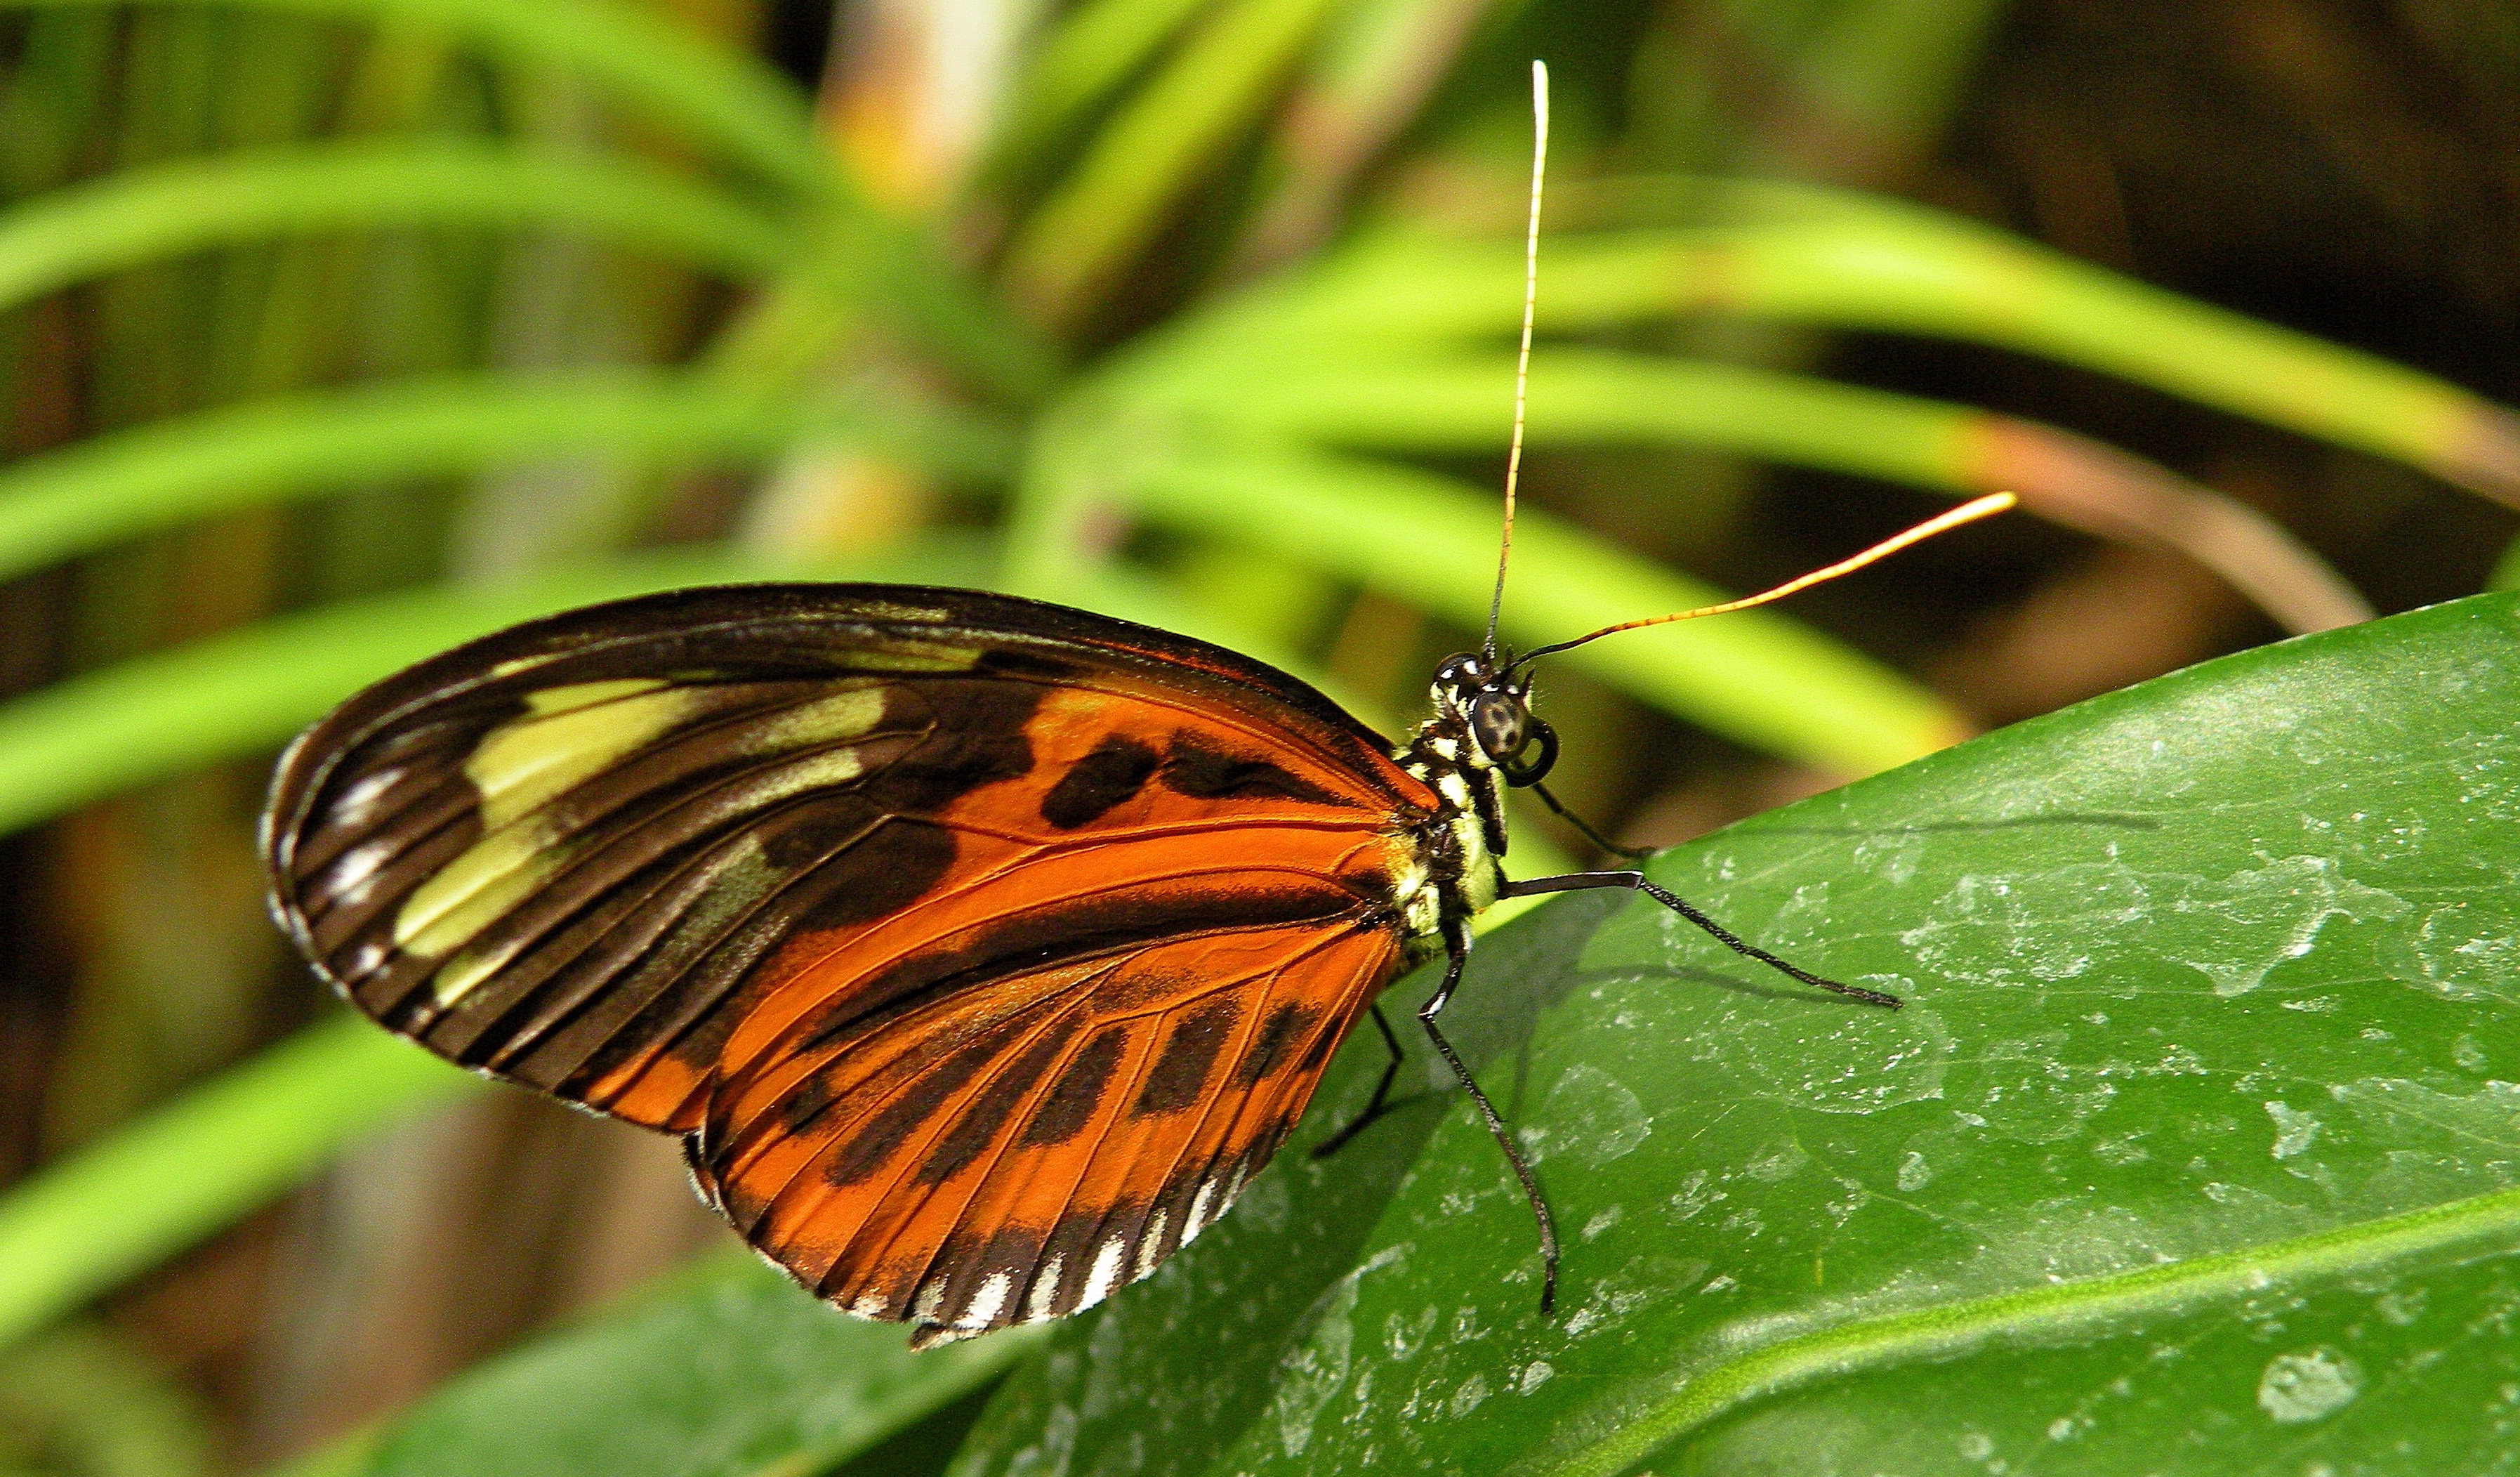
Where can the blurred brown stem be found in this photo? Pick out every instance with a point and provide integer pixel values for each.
(2105, 492)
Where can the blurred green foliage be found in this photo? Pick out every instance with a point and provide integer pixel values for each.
(336, 331)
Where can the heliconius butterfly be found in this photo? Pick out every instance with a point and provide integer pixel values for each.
(980, 950)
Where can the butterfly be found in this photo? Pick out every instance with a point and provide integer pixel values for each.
(980, 950)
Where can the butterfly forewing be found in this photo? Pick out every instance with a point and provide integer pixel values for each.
(983, 948)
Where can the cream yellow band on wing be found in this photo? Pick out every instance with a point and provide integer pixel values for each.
(567, 736)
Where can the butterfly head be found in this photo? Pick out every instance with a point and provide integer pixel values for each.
(1488, 698)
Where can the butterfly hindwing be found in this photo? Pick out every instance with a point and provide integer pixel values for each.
(1021, 1147)
(866, 886)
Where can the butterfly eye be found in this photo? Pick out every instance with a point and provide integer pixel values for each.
(1503, 724)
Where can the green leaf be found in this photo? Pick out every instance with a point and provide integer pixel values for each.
(736, 103)
(78, 1228)
(1840, 259)
(140, 215)
(726, 98)
(1178, 127)
(2196, 1136)
(1589, 396)
(1083, 57)
(735, 1374)
(87, 495)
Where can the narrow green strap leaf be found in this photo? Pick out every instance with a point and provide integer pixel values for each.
(1849, 262)
(139, 215)
(1431, 540)
(734, 104)
(1580, 396)
(728, 98)
(1590, 396)
(91, 494)
(79, 1228)
(728, 1370)
(1921, 272)
(1178, 127)
(1085, 58)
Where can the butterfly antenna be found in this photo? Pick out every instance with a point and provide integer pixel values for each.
(1968, 512)
(1522, 358)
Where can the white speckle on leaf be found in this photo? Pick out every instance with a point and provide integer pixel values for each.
(2490, 1114)
(1914, 1171)
(1467, 1399)
(2294, 1129)
(2467, 1054)
(2177, 1061)
(1314, 1371)
(2294, 897)
(1404, 1337)
(2307, 1385)
(1601, 1222)
(1589, 1114)
(1534, 1375)
(1696, 1194)
(1776, 1163)
(2464, 951)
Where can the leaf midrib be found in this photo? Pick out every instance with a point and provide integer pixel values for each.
(1955, 1327)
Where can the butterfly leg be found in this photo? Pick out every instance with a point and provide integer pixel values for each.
(1575, 882)
(1374, 1107)
(1457, 945)
(1559, 810)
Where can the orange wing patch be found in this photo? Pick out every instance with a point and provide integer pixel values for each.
(1019, 1148)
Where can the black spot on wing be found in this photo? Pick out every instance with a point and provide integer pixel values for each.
(870, 1146)
(1201, 771)
(1276, 1034)
(1070, 1103)
(1318, 1055)
(974, 735)
(977, 1128)
(1179, 1074)
(1117, 768)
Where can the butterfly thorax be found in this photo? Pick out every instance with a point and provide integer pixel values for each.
(1460, 848)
